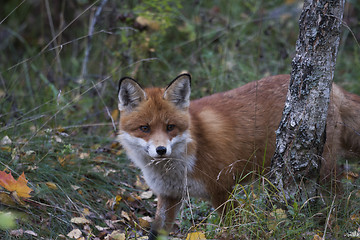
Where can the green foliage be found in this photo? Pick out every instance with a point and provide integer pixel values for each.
(7, 220)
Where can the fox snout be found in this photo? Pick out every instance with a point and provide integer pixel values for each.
(158, 151)
(161, 150)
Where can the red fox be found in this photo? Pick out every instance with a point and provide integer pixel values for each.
(198, 148)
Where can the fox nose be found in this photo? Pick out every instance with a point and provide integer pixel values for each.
(161, 150)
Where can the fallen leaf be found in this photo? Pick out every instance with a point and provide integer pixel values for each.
(51, 185)
(32, 128)
(31, 233)
(112, 224)
(133, 197)
(352, 176)
(30, 155)
(29, 152)
(84, 155)
(145, 222)
(14, 196)
(140, 183)
(86, 212)
(95, 146)
(20, 186)
(61, 160)
(6, 199)
(355, 218)
(5, 141)
(146, 195)
(17, 233)
(6, 148)
(99, 228)
(80, 220)
(57, 139)
(116, 235)
(75, 233)
(125, 215)
(75, 188)
(317, 237)
(354, 234)
(196, 236)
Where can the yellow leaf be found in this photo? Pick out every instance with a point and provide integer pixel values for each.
(351, 175)
(20, 186)
(86, 212)
(61, 160)
(317, 237)
(151, 24)
(51, 185)
(60, 129)
(6, 199)
(355, 218)
(196, 236)
(133, 197)
(144, 222)
(118, 198)
(6, 148)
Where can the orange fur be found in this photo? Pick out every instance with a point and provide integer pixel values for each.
(226, 135)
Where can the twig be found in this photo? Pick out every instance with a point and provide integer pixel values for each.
(107, 109)
(52, 29)
(12, 11)
(88, 48)
(328, 218)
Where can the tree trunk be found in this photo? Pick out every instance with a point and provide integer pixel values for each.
(301, 135)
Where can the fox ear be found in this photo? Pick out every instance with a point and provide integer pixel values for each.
(178, 91)
(130, 94)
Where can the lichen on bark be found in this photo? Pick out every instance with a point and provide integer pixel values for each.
(301, 135)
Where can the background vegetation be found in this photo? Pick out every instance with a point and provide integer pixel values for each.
(60, 63)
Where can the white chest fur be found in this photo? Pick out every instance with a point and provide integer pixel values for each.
(170, 177)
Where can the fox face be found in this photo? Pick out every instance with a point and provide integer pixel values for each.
(154, 123)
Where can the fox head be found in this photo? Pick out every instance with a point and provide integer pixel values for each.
(154, 122)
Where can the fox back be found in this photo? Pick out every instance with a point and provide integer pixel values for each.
(203, 147)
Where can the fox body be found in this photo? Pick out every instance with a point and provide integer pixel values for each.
(201, 148)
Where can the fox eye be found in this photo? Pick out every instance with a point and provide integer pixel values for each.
(170, 127)
(145, 129)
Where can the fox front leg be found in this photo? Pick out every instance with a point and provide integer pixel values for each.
(166, 211)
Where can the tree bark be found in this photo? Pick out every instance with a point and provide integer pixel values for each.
(301, 135)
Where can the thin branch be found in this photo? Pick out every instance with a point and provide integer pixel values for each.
(91, 31)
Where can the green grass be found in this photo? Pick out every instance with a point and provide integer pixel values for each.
(60, 125)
